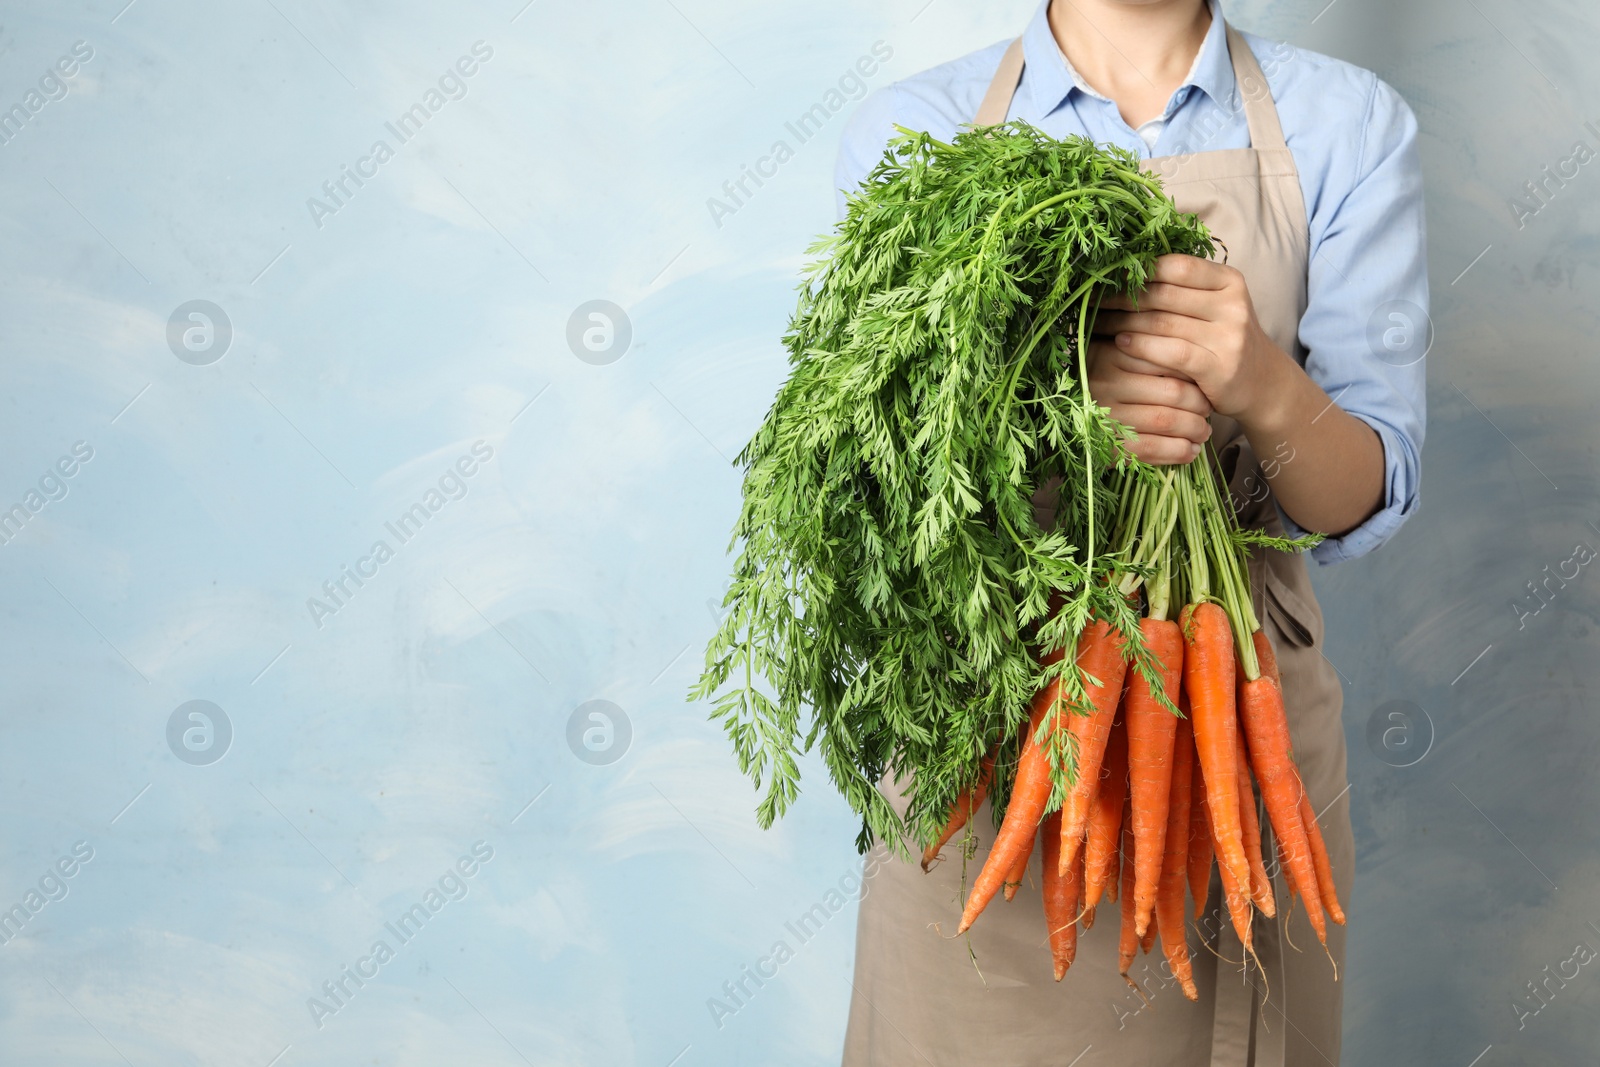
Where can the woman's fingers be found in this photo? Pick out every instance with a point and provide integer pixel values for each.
(1106, 353)
(1152, 390)
(1156, 421)
(1118, 378)
(1167, 414)
(1158, 296)
(1163, 451)
(1172, 354)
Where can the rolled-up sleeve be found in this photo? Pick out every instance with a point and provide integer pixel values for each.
(1366, 329)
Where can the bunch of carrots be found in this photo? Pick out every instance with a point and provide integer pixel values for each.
(1161, 767)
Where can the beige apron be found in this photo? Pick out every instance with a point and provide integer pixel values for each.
(920, 997)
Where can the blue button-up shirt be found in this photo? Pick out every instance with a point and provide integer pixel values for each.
(1354, 141)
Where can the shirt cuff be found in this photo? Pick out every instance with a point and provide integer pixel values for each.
(1400, 503)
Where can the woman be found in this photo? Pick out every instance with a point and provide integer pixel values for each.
(1302, 356)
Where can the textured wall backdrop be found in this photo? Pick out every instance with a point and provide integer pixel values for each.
(286, 281)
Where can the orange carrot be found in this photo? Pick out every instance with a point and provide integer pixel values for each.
(1060, 897)
(1237, 898)
(1128, 936)
(1151, 730)
(1105, 818)
(1269, 667)
(1147, 940)
(1319, 855)
(1100, 658)
(1265, 724)
(1266, 656)
(1208, 676)
(1329, 896)
(1250, 824)
(1114, 861)
(1199, 839)
(1019, 870)
(1030, 793)
(967, 802)
(1175, 864)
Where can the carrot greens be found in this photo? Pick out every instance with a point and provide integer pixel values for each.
(895, 592)
(955, 583)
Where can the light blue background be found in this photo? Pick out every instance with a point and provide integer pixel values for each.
(369, 353)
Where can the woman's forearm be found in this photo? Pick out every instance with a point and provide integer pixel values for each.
(1325, 466)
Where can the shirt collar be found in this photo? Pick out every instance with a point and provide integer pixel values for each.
(1052, 79)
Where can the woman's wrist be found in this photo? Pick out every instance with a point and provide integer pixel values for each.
(1328, 467)
(1279, 392)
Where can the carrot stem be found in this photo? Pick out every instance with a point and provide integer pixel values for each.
(1160, 590)
(1088, 405)
(1234, 587)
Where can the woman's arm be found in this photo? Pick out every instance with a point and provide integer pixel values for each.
(1355, 467)
(1195, 345)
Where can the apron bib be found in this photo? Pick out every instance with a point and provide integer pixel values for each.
(918, 995)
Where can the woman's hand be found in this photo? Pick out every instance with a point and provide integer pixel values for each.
(1168, 413)
(1195, 345)
(1196, 322)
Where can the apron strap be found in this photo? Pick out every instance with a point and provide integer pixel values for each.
(1260, 113)
(997, 101)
